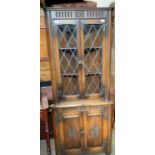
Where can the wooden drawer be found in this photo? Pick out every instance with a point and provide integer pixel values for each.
(44, 66)
(45, 76)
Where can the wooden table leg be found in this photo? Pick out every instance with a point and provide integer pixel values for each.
(44, 118)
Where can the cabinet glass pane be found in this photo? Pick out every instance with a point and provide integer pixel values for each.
(67, 42)
(93, 34)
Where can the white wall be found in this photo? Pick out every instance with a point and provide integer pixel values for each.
(102, 3)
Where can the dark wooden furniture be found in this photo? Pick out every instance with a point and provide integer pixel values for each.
(46, 89)
(44, 120)
(80, 58)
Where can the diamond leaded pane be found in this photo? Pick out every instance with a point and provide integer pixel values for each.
(93, 58)
(67, 41)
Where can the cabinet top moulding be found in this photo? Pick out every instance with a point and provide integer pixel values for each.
(78, 13)
(80, 9)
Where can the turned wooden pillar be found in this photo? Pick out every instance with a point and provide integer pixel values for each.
(44, 120)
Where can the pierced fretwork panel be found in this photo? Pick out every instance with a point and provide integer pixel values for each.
(67, 42)
(93, 34)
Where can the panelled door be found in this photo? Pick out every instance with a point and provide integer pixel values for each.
(70, 129)
(94, 129)
(80, 56)
(85, 131)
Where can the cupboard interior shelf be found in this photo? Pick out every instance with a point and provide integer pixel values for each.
(87, 74)
(92, 74)
(92, 48)
(69, 75)
(71, 48)
(85, 48)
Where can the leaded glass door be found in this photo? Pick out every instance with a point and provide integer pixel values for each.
(80, 53)
(66, 53)
(94, 56)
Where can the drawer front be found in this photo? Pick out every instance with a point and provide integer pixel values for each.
(45, 76)
(44, 66)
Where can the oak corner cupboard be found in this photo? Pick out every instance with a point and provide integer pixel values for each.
(80, 60)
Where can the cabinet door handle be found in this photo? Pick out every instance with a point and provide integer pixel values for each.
(81, 132)
(80, 64)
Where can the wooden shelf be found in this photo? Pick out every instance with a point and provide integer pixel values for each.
(69, 75)
(67, 48)
(93, 47)
(91, 74)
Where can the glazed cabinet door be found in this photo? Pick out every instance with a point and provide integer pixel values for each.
(70, 129)
(94, 60)
(66, 51)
